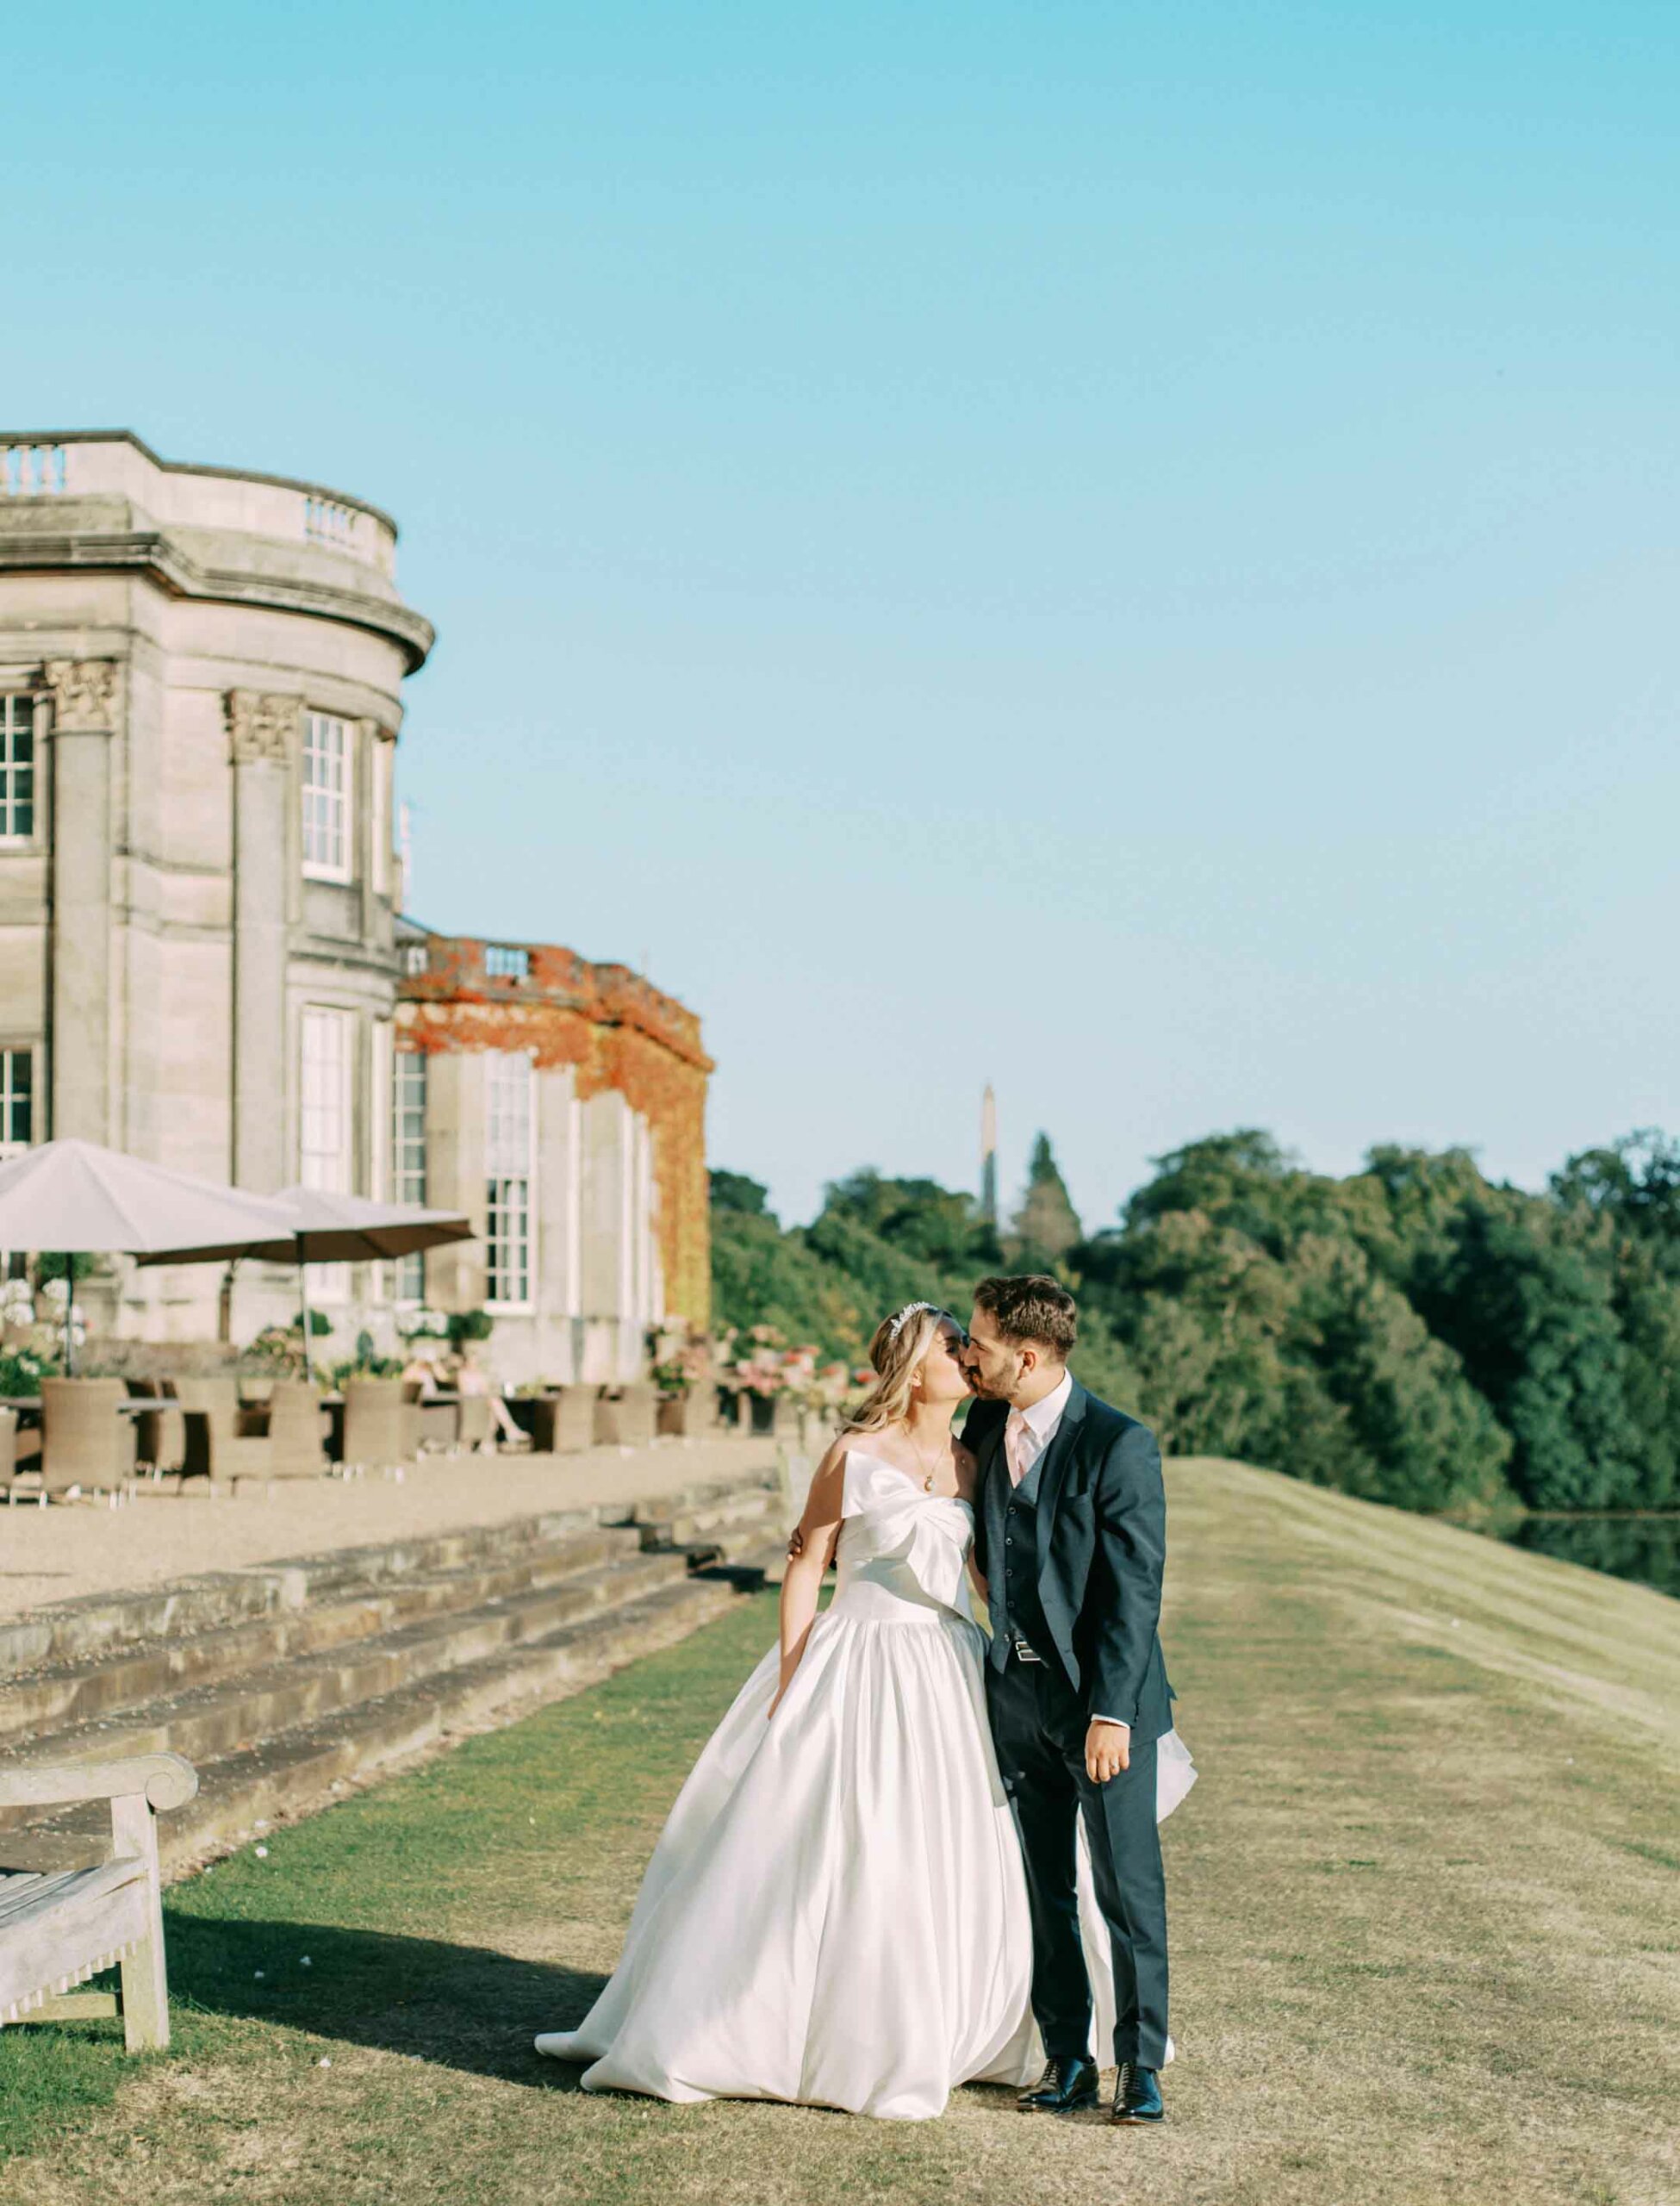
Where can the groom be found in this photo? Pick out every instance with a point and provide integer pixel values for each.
(1071, 1539)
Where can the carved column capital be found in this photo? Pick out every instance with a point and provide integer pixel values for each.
(87, 695)
(262, 724)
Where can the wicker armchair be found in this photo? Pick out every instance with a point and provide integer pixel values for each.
(380, 1426)
(221, 1442)
(87, 1445)
(297, 1431)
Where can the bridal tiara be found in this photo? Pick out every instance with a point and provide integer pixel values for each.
(900, 1318)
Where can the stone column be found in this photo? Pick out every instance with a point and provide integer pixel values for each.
(455, 1274)
(263, 733)
(608, 1198)
(87, 713)
(558, 1133)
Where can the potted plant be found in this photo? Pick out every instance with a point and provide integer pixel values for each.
(680, 1364)
(278, 1350)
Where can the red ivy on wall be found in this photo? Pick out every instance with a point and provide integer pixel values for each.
(616, 1032)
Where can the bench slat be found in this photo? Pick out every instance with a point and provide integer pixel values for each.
(59, 1937)
(24, 1889)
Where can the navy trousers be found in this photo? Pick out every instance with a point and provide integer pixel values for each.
(1039, 1726)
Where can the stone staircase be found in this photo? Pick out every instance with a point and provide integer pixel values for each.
(285, 1683)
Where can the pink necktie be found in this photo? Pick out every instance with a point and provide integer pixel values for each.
(1015, 1446)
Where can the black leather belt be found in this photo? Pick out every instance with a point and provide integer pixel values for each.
(1023, 1652)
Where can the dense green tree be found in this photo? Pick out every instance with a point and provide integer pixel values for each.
(1415, 1431)
(1635, 1183)
(733, 1191)
(1414, 1333)
(924, 1220)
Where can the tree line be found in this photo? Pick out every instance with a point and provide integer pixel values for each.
(1414, 1333)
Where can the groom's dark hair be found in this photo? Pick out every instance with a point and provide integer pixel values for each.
(1031, 1306)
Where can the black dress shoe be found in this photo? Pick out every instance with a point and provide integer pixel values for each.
(1065, 2087)
(1137, 2096)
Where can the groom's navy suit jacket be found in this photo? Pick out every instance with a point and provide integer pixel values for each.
(1102, 1546)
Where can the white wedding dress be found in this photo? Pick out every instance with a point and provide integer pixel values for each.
(836, 1913)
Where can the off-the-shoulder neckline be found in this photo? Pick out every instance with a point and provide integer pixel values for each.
(926, 1494)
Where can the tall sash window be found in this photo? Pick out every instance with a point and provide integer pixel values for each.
(326, 760)
(509, 1130)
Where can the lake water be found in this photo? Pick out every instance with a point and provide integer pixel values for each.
(1645, 1548)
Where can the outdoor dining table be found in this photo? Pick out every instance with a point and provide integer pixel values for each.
(129, 1406)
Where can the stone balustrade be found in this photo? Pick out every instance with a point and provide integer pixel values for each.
(91, 463)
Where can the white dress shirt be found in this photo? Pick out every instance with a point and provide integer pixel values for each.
(1028, 1433)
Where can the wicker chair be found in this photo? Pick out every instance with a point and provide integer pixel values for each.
(380, 1427)
(221, 1442)
(563, 1422)
(20, 1455)
(475, 1425)
(624, 1417)
(297, 1431)
(160, 1436)
(87, 1445)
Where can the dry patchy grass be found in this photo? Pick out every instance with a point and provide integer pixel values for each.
(1425, 1929)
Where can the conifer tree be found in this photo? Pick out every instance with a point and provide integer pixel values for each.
(1047, 1225)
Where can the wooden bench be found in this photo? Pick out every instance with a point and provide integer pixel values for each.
(58, 1928)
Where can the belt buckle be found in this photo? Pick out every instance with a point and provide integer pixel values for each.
(1024, 1654)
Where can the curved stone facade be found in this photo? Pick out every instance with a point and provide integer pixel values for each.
(200, 674)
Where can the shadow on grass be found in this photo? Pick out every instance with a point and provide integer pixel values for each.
(462, 2006)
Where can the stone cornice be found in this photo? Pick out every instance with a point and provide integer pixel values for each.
(151, 552)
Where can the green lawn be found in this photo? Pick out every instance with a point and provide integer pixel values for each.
(1425, 1929)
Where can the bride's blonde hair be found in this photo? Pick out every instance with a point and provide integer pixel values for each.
(900, 1342)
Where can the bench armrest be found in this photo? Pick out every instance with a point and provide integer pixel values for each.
(165, 1780)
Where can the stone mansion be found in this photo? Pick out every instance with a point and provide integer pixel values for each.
(203, 956)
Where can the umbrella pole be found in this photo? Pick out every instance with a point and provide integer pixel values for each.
(69, 1323)
(303, 1304)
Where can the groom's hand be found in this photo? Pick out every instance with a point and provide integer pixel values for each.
(1108, 1750)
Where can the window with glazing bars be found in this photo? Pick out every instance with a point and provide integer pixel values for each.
(17, 766)
(408, 1159)
(507, 1131)
(324, 1084)
(326, 796)
(17, 1101)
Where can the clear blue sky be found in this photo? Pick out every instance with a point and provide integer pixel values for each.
(1129, 552)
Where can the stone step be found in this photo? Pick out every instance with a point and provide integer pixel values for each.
(309, 1767)
(53, 1698)
(80, 1630)
(703, 1524)
(206, 1723)
(733, 1545)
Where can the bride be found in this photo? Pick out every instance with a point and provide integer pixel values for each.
(836, 1913)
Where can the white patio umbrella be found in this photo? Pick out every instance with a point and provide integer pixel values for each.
(319, 1228)
(78, 1198)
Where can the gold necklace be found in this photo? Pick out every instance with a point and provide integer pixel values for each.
(927, 1483)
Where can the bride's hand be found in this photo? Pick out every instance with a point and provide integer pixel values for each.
(776, 1703)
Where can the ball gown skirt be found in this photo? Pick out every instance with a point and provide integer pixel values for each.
(836, 1913)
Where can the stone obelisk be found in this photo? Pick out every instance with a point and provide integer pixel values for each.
(988, 1201)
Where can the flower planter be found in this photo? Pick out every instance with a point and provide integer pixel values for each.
(681, 1417)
